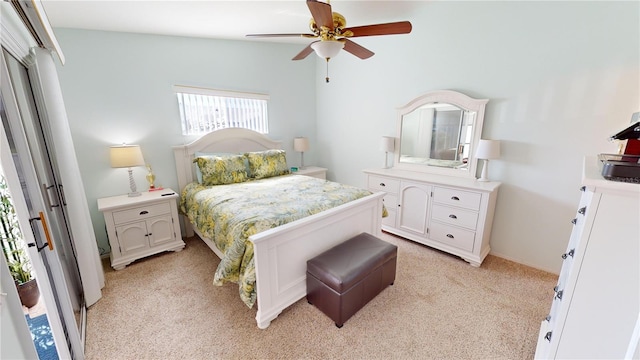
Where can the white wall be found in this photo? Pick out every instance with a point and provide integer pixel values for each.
(560, 76)
(118, 88)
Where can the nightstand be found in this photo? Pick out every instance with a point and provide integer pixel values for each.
(141, 226)
(314, 171)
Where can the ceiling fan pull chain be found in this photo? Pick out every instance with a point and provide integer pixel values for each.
(327, 78)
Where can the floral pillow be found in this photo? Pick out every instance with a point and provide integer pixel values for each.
(202, 154)
(264, 164)
(221, 170)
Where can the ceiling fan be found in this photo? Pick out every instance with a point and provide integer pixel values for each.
(330, 29)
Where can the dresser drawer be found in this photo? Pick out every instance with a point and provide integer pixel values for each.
(460, 238)
(455, 216)
(378, 183)
(454, 197)
(140, 213)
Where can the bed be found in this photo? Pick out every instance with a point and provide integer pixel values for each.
(280, 253)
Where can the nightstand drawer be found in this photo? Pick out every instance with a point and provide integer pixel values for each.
(455, 216)
(141, 212)
(377, 183)
(454, 197)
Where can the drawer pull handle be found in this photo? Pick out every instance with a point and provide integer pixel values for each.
(574, 221)
(382, 184)
(582, 210)
(144, 212)
(455, 198)
(450, 236)
(570, 253)
(453, 216)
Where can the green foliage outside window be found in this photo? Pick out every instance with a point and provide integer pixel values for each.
(11, 238)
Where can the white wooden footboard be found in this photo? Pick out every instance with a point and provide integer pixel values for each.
(281, 254)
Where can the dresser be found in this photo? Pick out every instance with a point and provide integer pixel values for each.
(141, 226)
(596, 302)
(448, 213)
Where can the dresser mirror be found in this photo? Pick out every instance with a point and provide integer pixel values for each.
(439, 132)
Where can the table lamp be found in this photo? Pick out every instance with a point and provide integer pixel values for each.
(301, 144)
(487, 149)
(387, 145)
(127, 156)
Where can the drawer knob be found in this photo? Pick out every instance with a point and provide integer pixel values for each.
(450, 236)
(559, 294)
(582, 210)
(570, 253)
(144, 212)
(574, 221)
(453, 216)
(548, 336)
(382, 184)
(455, 198)
(583, 188)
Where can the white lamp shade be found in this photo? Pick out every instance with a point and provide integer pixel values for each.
(126, 156)
(301, 144)
(387, 144)
(488, 149)
(327, 49)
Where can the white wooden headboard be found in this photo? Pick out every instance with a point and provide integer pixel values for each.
(232, 140)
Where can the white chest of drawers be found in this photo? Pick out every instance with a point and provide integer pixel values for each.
(141, 226)
(595, 308)
(451, 214)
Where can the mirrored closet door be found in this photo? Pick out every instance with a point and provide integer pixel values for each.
(31, 147)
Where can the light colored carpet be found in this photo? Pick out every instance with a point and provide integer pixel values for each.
(440, 307)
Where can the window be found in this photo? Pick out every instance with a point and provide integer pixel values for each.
(206, 110)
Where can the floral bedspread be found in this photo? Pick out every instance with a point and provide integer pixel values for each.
(229, 214)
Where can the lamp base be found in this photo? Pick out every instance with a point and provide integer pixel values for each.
(483, 175)
(132, 185)
(301, 160)
(386, 158)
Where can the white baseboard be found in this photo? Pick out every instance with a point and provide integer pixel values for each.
(519, 261)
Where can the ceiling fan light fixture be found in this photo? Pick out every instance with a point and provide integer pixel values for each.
(327, 49)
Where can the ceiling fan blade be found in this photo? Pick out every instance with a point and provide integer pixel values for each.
(304, 53)
(281, 35)
(402, 27)
(356, 49)
(322, 14)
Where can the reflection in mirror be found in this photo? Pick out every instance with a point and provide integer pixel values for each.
(437, 135)
(438, 132)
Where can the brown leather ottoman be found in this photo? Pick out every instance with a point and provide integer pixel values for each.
(343, 279)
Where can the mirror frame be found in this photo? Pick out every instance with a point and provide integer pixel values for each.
(451, 97)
